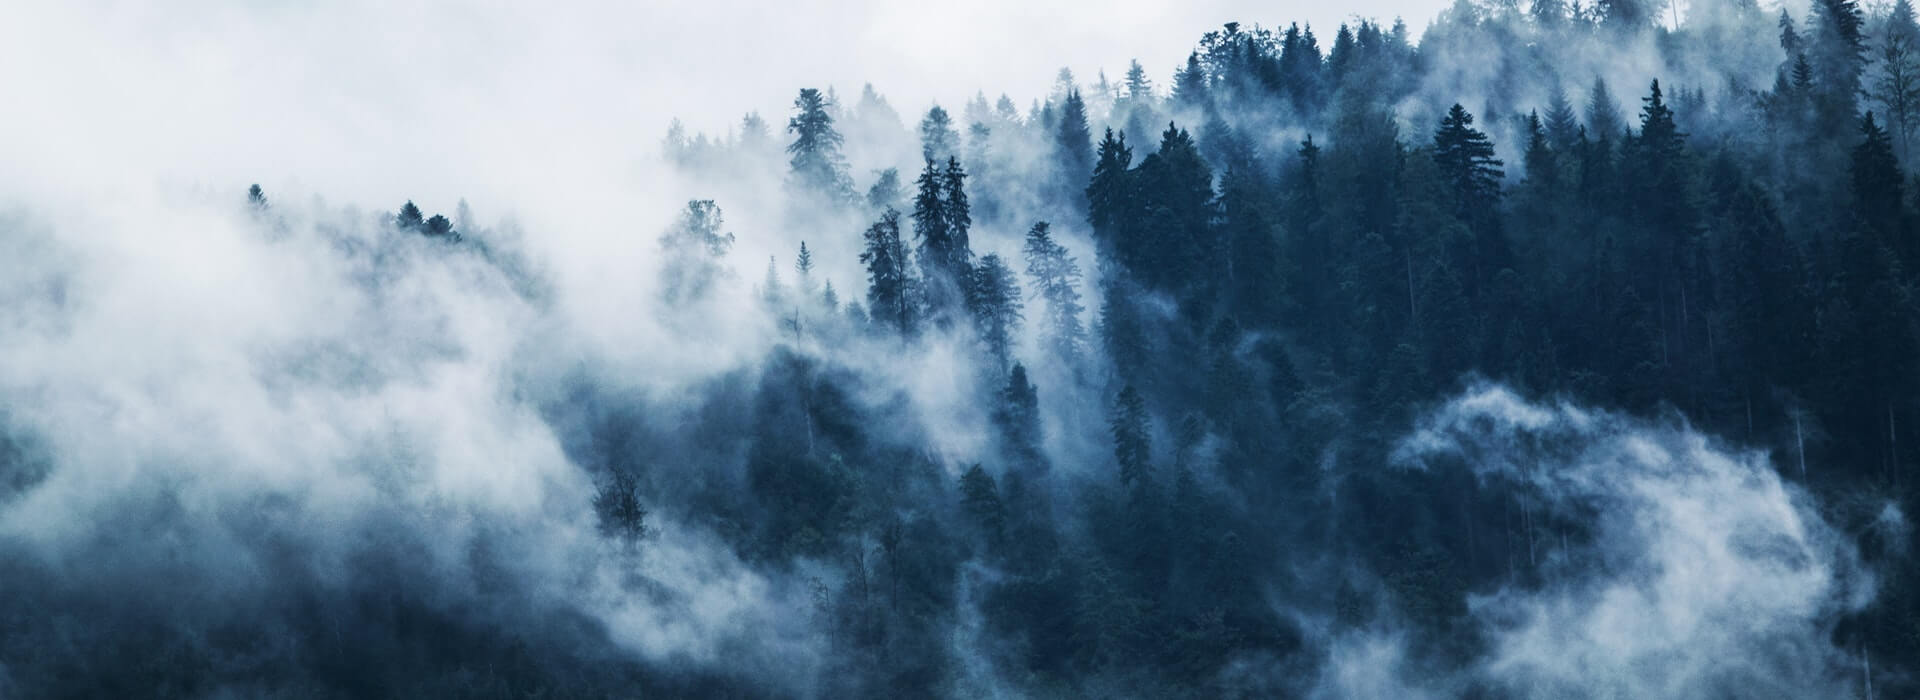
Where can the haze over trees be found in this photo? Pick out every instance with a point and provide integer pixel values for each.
(1573, 349)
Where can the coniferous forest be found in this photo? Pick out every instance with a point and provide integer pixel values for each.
(1565, 350)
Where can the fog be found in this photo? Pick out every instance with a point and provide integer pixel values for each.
(593, 438)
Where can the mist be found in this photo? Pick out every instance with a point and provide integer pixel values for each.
(1481, 350)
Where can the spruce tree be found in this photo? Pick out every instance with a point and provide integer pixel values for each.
(692, 249)
(1109, 192)
(1056, 277)
(993, 295)
(1073, 149)
(1131, 444)
(1604, 122)
(409, 218)
(1017, 417)
(1877, 189)
(1563, 125)
(817, 167)
(938, 140)
(803, 271)
(1465, 158)
(890, 283)
(1190, 84)
(1897, 87)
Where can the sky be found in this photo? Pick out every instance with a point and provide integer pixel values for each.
(363, 101)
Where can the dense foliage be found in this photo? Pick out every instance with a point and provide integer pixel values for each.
(1187, 333)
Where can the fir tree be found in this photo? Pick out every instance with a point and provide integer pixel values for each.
(938, 140)
(1877, 188)
(993, 295)
(890, 283)
(1073, 146)
(1131, 444)
(803, 271)
(1897, 88)
(409, 218)
(1190, 84)
(1109, 191)
(1603, 113)
(1563, 125)
(817, 166)
(1465, 158)
(1055, 278)
(980, 498)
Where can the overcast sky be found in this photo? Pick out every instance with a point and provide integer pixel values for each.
(360, 101)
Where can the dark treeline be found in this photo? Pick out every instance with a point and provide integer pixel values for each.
(1195, 322)
(1273, 313)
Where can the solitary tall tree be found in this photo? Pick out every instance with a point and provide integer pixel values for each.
(817, 167)
(803, 271)
(1073, 148)
(889, 279)
(1465, 158)
(1897, 87)
(693, 249)
(1563, 125)
(1055, 277)
(1603, 113)
(993, 296)
(938, 140)
(1108, 192)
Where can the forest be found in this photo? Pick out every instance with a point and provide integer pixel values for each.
(1567, 350)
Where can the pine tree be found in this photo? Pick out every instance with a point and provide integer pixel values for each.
(1838, 53)
(1256, 282)
(993, 295)
(1017, 417)
(890, 283)
(1131, 444)
(932, 234)
(1542, 168)
(256, 198)
(803, 271)
(938, 140)
(772, 291)
(692, 249)
(1789, 39)
(885, 192)
(980, 498)
(1176, 247)
(817, 167)
(409, 218)
(1465, 158)
(1603, 113)
(959, 213)
(755, 135)
(617, 504)
(1190, 84)
(1109, 191)
(1897, 88)
(1563, 126)
(1139, 89)
(1056, 277)
(1877, 191)
(1073, 148)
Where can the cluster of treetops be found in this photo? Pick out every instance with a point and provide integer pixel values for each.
(1277, 312)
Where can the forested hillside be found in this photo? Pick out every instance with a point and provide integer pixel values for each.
(1566, 351)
